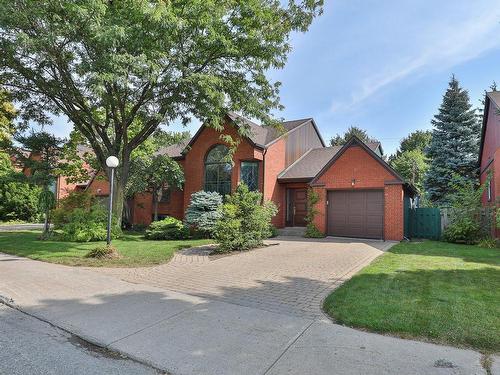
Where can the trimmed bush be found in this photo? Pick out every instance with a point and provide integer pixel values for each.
(88, 224)
(244, 221)
(203, 212)
(167, 229)
(103, 252)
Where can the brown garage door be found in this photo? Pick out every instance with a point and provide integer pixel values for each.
(356, 213)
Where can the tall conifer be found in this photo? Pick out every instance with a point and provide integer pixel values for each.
(455, 143)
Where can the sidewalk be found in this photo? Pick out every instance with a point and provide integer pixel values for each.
(189, 335)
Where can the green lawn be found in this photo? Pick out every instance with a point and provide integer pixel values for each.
(135, 250)
(435, 291)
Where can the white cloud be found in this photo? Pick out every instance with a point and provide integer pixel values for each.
(441, 44)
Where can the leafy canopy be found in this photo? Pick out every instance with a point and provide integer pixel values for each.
(7, 115)
(112, 65)
(120, 69)
(412, 165)
(340, 140)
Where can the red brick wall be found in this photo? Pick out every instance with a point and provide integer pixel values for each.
(64, 187)
(491, 151)
(490, 161)
(274, 161)
(393, 212)
(356, 163)
(195, 159)
(143, 207)
(99, 185)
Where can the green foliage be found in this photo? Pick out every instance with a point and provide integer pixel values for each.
(61, 214)
(5, 164)
(103, 252)
(274, 232)
(167, 229)
(488, 243)
(203, 212)
(463, 230)
(455, 144)
(468, 222)
(153, 173)
(340, 140)
(417, 140)
(311, 230)
(412, 165)
(245, 221)
(121, 69)
(18, 199)
(88, 224)
(8, 114)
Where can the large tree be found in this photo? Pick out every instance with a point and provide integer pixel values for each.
(341, 139)
(455, 143)
(120, 69)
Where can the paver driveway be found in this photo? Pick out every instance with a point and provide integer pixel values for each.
(290, 276)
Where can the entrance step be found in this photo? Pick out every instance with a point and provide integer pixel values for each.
(292, 231)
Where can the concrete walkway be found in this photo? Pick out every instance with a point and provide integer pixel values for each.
(187, 334)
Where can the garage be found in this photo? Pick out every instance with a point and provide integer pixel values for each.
(356, 213)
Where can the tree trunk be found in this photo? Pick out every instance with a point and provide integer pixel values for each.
(118, 200)
(121, 177)
(46, 225)
(155, 205)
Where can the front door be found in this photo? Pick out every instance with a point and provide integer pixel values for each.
(297, 207)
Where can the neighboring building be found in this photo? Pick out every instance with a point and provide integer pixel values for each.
(361, 195)
(489, 152)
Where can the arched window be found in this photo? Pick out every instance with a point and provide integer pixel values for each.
(218, 170)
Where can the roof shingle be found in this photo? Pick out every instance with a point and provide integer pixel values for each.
(311, 163)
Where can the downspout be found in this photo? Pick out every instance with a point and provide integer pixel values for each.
(263, 172)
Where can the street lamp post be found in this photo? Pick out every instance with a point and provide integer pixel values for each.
(112, 162)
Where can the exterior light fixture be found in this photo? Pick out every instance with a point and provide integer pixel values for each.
(111, 162)
(353, 182)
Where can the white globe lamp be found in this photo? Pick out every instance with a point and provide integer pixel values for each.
(112, 162)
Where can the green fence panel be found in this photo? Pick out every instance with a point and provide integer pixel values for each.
(425, 223)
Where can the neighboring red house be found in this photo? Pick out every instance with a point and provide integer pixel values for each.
(489, 153)
(361, 195)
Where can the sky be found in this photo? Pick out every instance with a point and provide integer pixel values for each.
(383, 65)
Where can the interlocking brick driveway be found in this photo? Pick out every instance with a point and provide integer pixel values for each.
(291, 276)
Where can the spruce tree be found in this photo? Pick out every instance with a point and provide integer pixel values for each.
(455, 144)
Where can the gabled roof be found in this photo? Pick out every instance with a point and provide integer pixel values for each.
(494, 97)
(262, 136)
(312, 162)
(174, 151)
(356, 141)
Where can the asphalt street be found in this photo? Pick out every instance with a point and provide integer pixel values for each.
(31, 346)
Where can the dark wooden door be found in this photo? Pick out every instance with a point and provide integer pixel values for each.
(357, 213)
(299, 198)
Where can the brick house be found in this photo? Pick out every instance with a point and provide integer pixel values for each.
(489, 153)
(360, 194)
